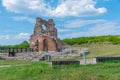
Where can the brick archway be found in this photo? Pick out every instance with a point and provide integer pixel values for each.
(47, 43)
(49, 34)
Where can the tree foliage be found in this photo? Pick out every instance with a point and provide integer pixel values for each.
(114, 39)
(24, 44)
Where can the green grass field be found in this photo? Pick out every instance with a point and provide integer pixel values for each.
(44, 71)
(101, 49)
(13, 62)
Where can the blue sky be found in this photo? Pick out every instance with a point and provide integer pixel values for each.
(73, 18)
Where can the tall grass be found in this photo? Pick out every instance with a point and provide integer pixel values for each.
(13, 62)
(43, 71)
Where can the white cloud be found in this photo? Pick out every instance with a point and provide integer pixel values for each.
(106, 28)
(63, 30)
(77, 8)
(13, 39)
(3, 37)
(64, 8)
(21, 18)
(18, 36)
(81, 23)
(22, 36)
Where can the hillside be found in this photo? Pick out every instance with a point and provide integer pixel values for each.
(101, 49)
(97, 45)
(114, 39)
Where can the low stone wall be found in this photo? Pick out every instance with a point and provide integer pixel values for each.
(67, 62)
(103, 59)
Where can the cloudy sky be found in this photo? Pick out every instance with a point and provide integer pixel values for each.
(73, 18)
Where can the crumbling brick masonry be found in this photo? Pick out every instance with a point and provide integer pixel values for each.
(45, 36)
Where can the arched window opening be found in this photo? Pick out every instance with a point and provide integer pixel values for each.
(43, 27)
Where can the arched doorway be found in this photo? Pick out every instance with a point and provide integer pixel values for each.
(45, 45)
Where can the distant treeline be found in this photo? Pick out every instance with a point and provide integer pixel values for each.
(24, 44)
(114, 39)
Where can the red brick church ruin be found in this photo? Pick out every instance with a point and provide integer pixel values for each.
(45, 36)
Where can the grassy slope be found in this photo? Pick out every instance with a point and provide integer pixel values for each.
(43, 71)
(102, 49)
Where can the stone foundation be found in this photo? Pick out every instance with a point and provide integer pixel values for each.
(36, 56)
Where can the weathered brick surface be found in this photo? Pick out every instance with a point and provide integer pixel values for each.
(45, 38)
(51, 44)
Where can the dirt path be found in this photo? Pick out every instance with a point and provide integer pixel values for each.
(3, 66)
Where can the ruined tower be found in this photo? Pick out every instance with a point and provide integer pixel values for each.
(45, 36)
